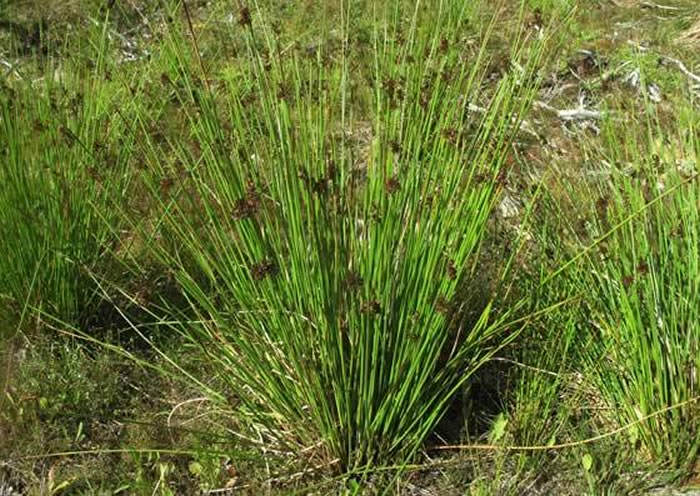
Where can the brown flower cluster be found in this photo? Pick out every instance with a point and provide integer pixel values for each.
(371, 307)
(392, 185)
(353, 281)
(249, 205)
(266, 268)
(319, 185)
(244, 17)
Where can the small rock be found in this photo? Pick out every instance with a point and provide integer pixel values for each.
(654, 92)
(633, 78)
(509, 207)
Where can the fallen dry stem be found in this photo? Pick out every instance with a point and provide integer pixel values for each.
(494, 447)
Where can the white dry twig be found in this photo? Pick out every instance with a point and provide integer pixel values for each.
(525, 366)
(681, 66)
(10, 68)
(578, 114)
(525, 126)
(651, 5)
(182, 403)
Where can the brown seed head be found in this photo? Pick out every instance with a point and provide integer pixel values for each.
(442, 305)
(353, 281)
(602, 205)
(450, 134)
(331, 170)
(451, 270)
(643, 268)
(244, 18)
(263, 269)
(371, 307)
(395, 146)
(248, 206)
(502, 178)
(166, 185)
(392, 185)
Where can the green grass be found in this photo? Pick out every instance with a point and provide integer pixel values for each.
(239, 247)
(646, 289)
(64, 162)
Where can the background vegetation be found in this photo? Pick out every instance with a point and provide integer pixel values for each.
(349, 247)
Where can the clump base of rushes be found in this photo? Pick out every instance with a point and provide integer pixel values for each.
(327, 287)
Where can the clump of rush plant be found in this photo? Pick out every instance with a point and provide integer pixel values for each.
(326, 273)
(644, 286)
(60, 168)
(614, 358)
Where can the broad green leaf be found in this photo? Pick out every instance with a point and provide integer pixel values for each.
(498, 429)
(587, 462)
